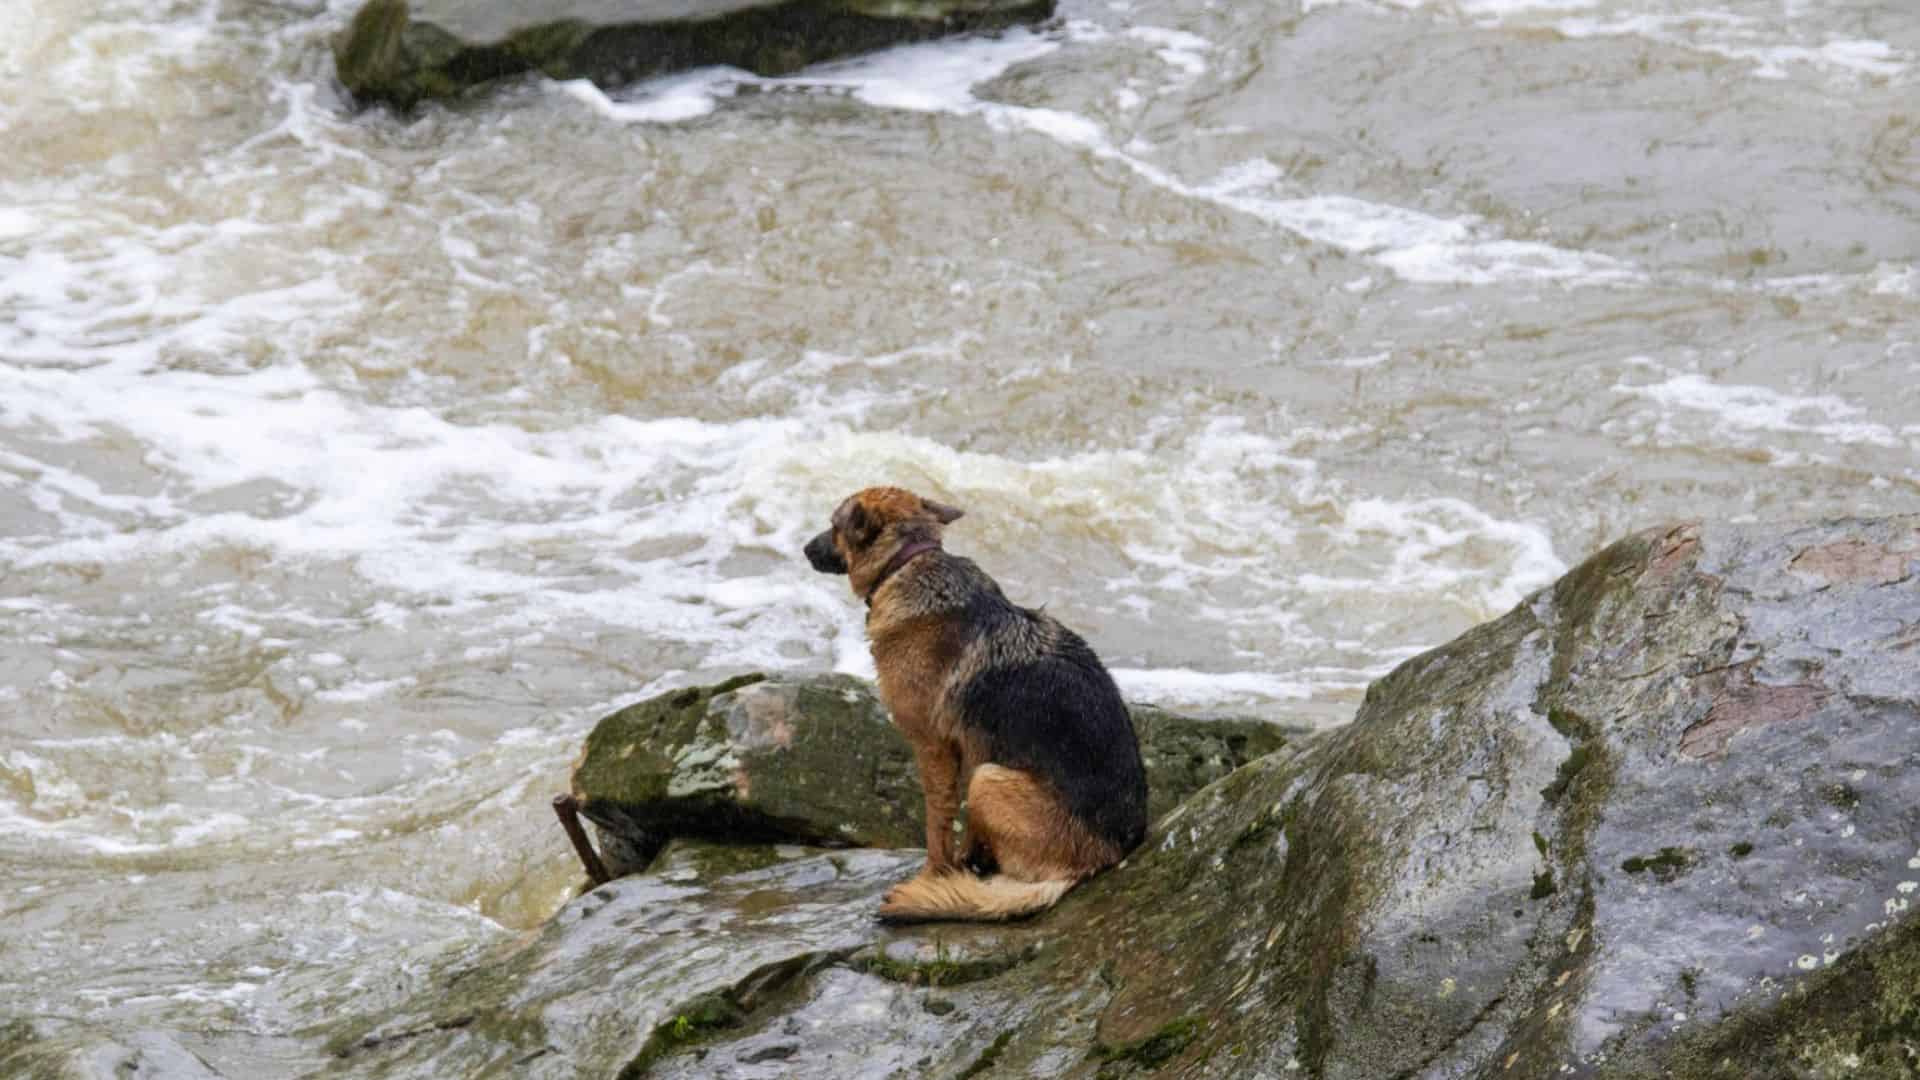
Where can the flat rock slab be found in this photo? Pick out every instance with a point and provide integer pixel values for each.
(759, 760)
(401, 52)
(777, 971)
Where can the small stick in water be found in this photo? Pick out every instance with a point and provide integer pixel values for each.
(568, 808)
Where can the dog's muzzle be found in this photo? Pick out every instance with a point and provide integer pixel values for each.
(824, 556)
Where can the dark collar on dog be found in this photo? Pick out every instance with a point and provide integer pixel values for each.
(900, 559)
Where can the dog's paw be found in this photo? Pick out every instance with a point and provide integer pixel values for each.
(893, 903)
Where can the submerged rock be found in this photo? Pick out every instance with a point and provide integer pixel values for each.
(1661, 820)
(404, 51)
(58, 1049)
(815, 761)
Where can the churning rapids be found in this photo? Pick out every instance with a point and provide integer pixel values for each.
(351, 465)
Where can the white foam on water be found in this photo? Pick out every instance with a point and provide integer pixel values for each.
(62, 814)
(1773, 46)
(1423, 529)
(234, 993)
(363, 690)
(1751, 41)
(1885, 279)
(1469, 8)
(123, 60)
(379, 487)
(17, 223)
(669, 100)
(1738, 409)
(941, 77)
(1189, 688)
(919, 78)
(1890, 280)
(1184, 52)
(1415, 246)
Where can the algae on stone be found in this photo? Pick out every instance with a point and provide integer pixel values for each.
(815, 761)
(402, 52)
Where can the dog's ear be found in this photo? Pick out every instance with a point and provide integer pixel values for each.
(853, 521)
(942, 512)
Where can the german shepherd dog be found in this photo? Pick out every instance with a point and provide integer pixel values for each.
(998, 701)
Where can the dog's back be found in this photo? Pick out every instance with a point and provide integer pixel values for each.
(1043, 703)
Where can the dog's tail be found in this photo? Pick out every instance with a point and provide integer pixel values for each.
(962, 896)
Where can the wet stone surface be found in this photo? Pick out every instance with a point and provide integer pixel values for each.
(1523, 858)
(1516, 861)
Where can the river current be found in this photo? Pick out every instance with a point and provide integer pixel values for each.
(351, 465)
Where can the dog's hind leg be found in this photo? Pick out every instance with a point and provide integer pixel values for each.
(1025, 829)
(1021, 824)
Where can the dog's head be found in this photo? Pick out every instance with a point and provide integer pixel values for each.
(870, 526)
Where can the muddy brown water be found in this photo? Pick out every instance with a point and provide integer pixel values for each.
(351, 465)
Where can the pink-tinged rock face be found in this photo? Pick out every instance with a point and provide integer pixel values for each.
(1854, 561)
(1744, 704)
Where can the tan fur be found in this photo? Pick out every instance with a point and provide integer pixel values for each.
(1021, 821)
(913, 682)
(940, 781)
(922, 652)
(957, 894)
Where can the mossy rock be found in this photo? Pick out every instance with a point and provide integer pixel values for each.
(757, 760)
(1183, 754)
(1599, 836)
(402, 52)
(750, 761)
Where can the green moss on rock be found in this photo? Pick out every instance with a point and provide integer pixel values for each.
(1167, 1042)
(987, 1058)
(402, 52)
(815, 761)
(1666, 863)
(696, 1021)
(1858, 1019)
(947, 967)
(1543, 886)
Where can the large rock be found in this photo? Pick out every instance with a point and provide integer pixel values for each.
(1661, 820)
(404, 51)
(1655, 821)
(814, 761)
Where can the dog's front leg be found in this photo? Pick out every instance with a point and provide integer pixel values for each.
(940, 780)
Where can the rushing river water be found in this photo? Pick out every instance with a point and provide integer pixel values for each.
(352, 465)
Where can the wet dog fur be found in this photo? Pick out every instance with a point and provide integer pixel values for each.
(1000, 703)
